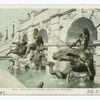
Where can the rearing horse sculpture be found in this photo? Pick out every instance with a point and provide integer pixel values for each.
(80, 59)
(83, 62)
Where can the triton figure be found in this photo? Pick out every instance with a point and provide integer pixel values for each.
(36, 43)
(83, 40)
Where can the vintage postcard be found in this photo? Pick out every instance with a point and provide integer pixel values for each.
(49, 49)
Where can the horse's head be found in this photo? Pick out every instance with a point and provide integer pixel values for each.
(61, 56)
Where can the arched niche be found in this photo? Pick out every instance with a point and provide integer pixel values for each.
(77, 26)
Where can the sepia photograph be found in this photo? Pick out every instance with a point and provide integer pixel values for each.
(49, 49)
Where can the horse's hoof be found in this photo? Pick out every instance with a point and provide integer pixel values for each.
(40, 85)
(91, 78)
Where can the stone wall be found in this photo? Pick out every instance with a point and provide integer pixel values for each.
(57, 22)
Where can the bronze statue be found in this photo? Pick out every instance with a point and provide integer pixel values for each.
(82, 63)
(37, 58)
(80, 58)
(19, 50)
(38, 43)
(83, 40)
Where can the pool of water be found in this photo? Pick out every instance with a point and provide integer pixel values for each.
(32, 78)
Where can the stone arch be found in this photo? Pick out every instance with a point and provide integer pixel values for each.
(77, 26)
